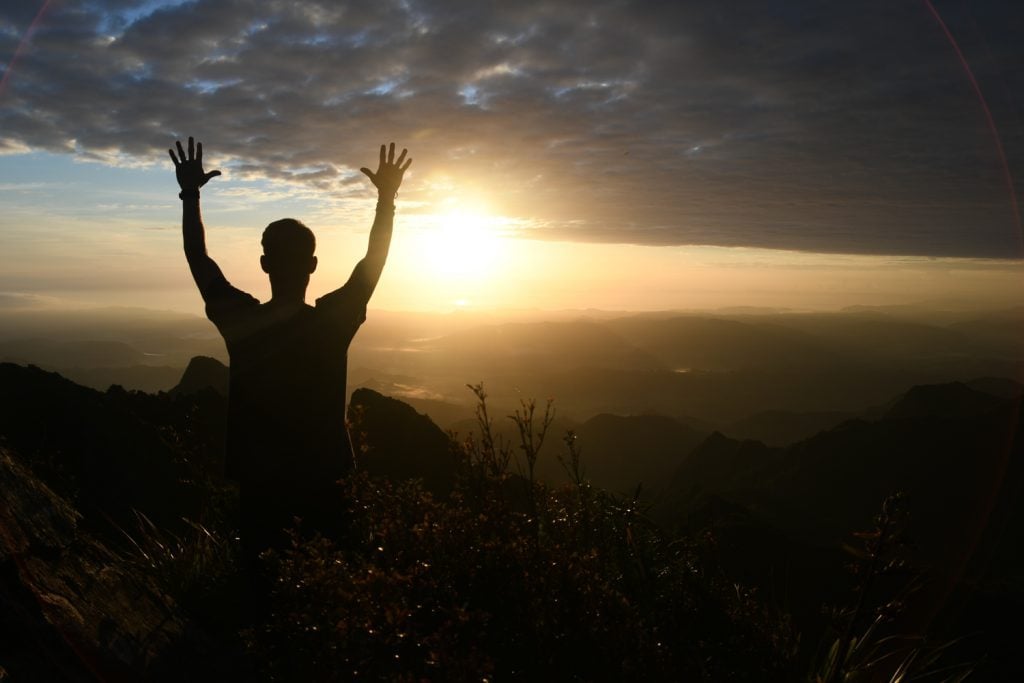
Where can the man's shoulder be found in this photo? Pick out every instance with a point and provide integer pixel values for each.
(229, 310)
(347, 298)
(223, 298)
(343, 309)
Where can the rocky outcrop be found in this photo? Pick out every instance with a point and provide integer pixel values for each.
(202, 373)
(73, 609)
(395, 441)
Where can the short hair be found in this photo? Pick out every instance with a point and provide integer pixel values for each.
(288, 236)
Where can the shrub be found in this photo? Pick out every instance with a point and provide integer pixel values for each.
(510, 579)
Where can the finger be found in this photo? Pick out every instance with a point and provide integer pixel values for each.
(174, 158)
(181, 151)
(191, 148)
(199, 152)
(401, 157)
(408, 163)
(391, 153)
(383, 155)
(211, 174)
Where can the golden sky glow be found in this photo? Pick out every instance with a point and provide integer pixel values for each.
(451, 250)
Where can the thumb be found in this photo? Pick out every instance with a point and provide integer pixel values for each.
(211, 174)
(369, 174)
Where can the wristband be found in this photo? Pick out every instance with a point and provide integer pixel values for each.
(189, 194)
(386, 206)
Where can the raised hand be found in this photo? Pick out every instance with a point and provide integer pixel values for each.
(189, 169)
(388, 176)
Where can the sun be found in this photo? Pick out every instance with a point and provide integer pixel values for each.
(463, 245)
(455, 254)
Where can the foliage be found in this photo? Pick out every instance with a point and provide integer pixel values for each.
(505, 578)
(865, 649)
(508, 579)
(182, 564)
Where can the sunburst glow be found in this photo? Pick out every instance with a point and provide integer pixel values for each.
(462, 244)
(457, 253)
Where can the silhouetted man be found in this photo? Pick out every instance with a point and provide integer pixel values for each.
(287, 441)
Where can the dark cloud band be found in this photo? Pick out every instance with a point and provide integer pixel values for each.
(840, 127)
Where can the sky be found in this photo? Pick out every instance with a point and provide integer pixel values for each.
(617, 155)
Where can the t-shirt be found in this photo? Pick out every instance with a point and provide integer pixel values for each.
(286, 400)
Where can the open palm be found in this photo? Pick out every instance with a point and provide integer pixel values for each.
(189, 169)
(388, 176)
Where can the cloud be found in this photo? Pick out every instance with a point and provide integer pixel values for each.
(841, 127)
(16, 301)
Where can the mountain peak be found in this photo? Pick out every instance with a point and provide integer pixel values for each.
(203, 372)
(953, 399)
(398, 442)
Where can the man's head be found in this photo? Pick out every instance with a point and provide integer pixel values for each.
(288, 259)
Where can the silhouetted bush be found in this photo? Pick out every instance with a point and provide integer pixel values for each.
(509, 579)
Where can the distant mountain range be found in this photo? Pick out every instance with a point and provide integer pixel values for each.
(809, 371)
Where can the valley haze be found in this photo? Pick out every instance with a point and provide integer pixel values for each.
(736, 367)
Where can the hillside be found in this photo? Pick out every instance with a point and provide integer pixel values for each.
(955, 452)
(79, 466)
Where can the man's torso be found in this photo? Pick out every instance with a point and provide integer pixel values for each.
(286, 405)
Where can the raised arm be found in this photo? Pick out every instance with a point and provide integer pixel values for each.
(189, 171)
(387, 179)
